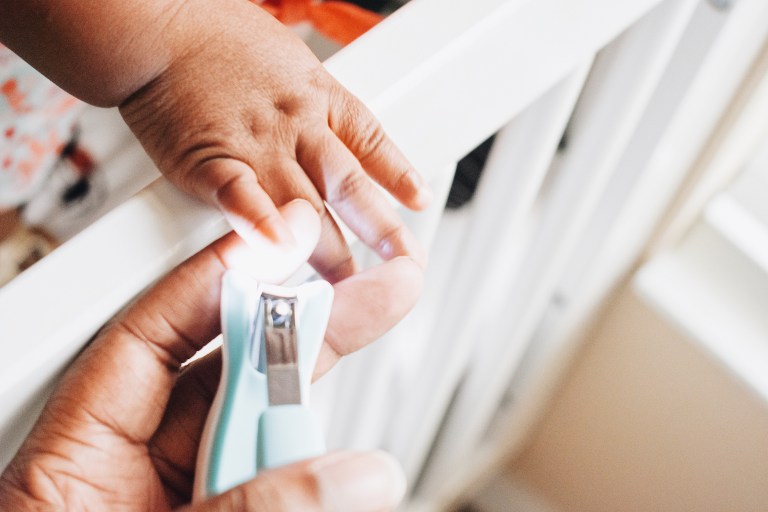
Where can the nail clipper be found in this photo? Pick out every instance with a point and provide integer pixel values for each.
(260, 417)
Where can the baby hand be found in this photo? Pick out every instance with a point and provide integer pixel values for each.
(246, 118)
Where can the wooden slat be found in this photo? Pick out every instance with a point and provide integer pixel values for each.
(619, 89)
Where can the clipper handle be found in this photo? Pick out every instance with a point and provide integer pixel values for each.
(244, 433)
(288, 433)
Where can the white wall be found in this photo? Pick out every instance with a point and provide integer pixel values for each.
(648, 421)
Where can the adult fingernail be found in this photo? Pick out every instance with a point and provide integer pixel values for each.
(359, 482)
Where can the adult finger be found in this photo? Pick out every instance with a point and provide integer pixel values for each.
(362, 133)
(338, 482)
(337, 174)
(367, 306)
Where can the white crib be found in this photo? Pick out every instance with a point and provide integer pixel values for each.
(648, 94)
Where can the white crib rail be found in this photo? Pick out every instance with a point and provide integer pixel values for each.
(50, 311)
(442, 75)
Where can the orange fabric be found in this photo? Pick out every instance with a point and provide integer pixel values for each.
(339, 21)
(14, 96)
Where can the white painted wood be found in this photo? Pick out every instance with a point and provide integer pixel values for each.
(704, 59)
(444, 75)
(741, 228)
(639, 194)
(613, 219)
(743, 131)
(685, 130)
(713, 288)
(619, 88)
(480, 278)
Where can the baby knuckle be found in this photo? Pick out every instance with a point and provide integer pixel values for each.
(372, 141)
(351, 185)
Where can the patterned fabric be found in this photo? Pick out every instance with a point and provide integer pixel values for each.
(342, 22)
(36, 121)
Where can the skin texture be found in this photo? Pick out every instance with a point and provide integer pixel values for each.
(234, 109)
(121, 430)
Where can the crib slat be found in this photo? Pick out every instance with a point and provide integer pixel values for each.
(483, 267)
(682, 132)
(618, 90)
(705, 60)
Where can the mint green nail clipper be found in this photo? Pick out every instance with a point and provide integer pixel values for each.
(260, 417)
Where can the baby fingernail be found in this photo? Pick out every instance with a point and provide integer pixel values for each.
(424, 192)
(360, 481)
(303, 221)
(276, 232)
(424, 196)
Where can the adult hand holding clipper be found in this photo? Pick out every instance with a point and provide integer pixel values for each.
(122, 429)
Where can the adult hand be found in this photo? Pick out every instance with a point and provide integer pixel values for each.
(122, 429)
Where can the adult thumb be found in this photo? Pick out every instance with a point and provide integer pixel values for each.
(338, 482)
